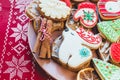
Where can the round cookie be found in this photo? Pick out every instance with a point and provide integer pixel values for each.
(87, 15)
(109, 9)
(54, 9)
(115, 52)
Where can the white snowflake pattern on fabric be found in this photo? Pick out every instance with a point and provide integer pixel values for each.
(17, 67)
(21, 4)
(20, 32)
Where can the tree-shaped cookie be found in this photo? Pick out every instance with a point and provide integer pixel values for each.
(106, 70)
(110, 30)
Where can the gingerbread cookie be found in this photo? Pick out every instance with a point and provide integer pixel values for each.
(110, 30)
(54, 9)
(72, 53)
(109, 9)
(31, 10)
(57, 26)
(86, 13)
(115, 52)
(106, 71)
(88, 38)
(70, 23)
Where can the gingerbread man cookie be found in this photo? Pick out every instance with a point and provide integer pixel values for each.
(109, 9)
(86, 13)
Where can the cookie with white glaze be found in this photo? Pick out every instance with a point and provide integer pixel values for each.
(87, 15)
(110, 30)
(54, 9)
(71, 53)
(32, 11)
(109, 9)
(105, 70)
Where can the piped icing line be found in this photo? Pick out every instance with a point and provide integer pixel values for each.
(86, 13)
(71, 48)
(54, 9)
(115, 52)
(88, 36)
(106, 70)
(109, 9)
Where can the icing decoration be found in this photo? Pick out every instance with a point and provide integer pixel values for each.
(115, 52)
(84, 52)
(110, 29)
(71, 50)
(109, 9)
(54, 9)
(87, 14)
(106, 70)
(88, 36)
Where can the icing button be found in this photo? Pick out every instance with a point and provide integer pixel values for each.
(84, 52)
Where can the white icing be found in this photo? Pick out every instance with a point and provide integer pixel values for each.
(112, 7)
(116, 75)
(80, 14)
(69, 49)
(32, 7)
(54, 8)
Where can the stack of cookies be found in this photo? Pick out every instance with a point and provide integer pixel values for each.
(89, 35)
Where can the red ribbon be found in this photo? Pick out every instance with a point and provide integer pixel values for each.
(44, 30)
